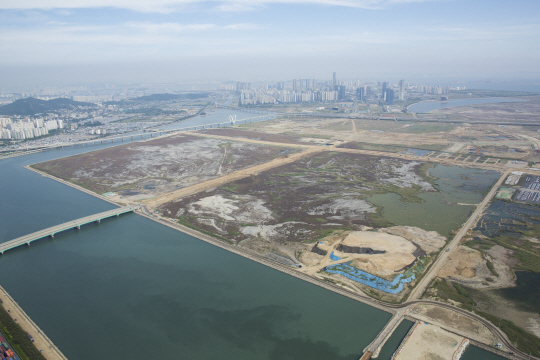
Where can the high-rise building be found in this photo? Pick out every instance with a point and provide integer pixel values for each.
(360, 93)
(280, 85)
(295, 85)
(383, 93)
(313, 84)
(242, 86)
(390, 96)
(334, 81)
(341, 92)
(401, 89)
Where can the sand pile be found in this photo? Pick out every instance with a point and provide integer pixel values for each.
(429, 241)
(398, 252)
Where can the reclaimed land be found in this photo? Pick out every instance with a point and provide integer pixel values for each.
(146, 169)
(496, 272)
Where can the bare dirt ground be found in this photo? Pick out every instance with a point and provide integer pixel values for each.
(146, 169)
(454, 320)
(469, 267)
(429, 342)
(508, 142)
(526, 111)
(280, 138)
(299, 200)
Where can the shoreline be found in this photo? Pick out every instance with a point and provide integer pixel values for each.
(386, 307)
(41, 341)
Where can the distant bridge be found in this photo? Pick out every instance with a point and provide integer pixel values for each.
(208, 126)
(50, 232)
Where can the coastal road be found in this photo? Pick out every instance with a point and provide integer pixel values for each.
(432, 272)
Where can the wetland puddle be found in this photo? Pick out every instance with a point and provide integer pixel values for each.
(440, 211)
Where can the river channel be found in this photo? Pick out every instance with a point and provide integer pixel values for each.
(130, 288)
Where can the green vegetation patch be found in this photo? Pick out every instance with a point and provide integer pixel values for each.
(17, 337)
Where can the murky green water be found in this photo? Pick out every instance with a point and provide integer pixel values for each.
(440, 210)
(474, 353)
(395, 340)
(130, 288)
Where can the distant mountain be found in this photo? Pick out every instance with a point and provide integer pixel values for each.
(33, 106)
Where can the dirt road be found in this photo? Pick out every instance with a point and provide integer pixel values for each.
(496, 167)
(432, 272)
(254, 170)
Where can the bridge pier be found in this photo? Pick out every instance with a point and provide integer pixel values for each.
(51, 236)
(78, 227)
(98, 221)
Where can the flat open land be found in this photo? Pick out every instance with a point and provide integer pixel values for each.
(146, 169)
(429, 342)
(301, 201)
(518, 112)
(280, 138)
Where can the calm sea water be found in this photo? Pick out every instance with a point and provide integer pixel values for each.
(427, 106)
(131, 288)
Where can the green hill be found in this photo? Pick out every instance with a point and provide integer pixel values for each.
(33, 106)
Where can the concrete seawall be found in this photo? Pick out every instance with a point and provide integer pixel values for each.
(41, 341)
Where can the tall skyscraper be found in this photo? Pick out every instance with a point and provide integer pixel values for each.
(360, 93)
(313, 84)
(334, 81)
(280, 85)
(341, 93)
(383, 93)
(390, 96)
(401, 89)
(295, 85)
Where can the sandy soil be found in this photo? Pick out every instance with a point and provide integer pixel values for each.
(237, 175)
(161, 165)
(429, 241)
(467, 266)
(526, 111)
(429, 342)
(446, 317)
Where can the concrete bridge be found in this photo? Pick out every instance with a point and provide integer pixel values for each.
(50, 232)
(209, 126)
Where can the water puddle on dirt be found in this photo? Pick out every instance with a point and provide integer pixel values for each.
(440, 210)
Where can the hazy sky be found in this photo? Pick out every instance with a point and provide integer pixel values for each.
(174, 40)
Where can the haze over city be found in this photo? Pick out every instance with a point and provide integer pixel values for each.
(269, 180)
(66, 42)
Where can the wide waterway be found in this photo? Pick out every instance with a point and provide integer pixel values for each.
(427, 106)
(132, 288)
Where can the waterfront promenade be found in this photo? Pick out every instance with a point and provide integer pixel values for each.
(51, 231)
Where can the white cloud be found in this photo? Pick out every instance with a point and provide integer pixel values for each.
(165, 6)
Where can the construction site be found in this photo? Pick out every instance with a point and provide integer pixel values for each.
(387, 211)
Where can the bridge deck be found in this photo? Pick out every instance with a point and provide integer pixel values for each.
(27, 239)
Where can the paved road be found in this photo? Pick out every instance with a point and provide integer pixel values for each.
(434, 269)
(26, 239)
